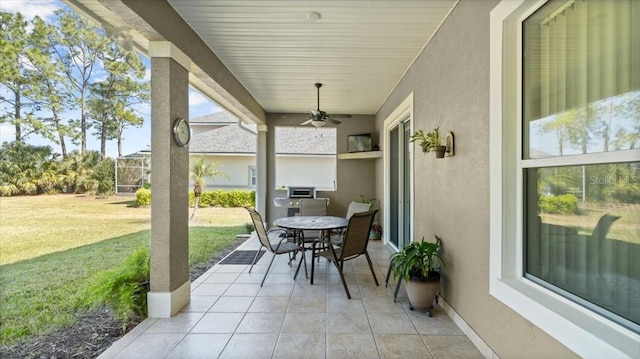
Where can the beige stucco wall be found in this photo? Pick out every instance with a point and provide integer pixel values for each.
(450, 81)
(354, 177)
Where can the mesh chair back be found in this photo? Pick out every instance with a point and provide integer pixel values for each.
(313, 207)
(357, 207)
(260, 230)
(357, 236)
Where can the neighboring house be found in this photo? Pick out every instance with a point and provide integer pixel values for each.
(304, 156)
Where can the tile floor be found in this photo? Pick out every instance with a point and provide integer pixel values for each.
(231, 316)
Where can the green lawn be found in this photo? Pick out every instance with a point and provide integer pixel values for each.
(52, 248)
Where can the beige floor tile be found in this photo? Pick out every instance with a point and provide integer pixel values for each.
(394, 346)
(451, 347)
(276, 290)
(210, 289)
(200, 303)
(378, 304)
(269, 305)
(182, 322)
(222, 278)
(304, 323)
(240, 319)
(366, 279)
(308, 304)
(150, 346)
(261, 323)
(438, 324)
(375, 291)
(300, 346)
(231, 268)
(242, 290)
(254, 346)
(308, 290)
(232, 304)
(280, 278)
(347, 322)
(391, 323)
(337, 304)
(351, 346)
(117, 347)
(218, 323)
(200, 346)
(250, 278)
(337, 290)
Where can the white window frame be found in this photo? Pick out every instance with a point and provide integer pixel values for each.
(251, 176)
(581, 330)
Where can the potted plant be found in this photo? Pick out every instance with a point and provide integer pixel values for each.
(376, 231)
(430, 141)
(416, 265)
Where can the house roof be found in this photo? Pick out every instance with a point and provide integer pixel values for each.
(231, 138)
(222, 117)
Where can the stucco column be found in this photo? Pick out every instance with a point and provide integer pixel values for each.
(261, 168)
(170, 285)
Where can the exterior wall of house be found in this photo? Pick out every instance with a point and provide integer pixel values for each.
(450, 82)
(236, 167)
(354, 177)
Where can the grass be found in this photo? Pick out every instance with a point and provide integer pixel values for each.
(70, 221)
(43, 287)
(627, 228)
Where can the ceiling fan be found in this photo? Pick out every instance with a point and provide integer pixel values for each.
(319, 118)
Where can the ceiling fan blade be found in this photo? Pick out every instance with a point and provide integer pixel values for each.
(332, 121)
(344, 115)
(306, 122)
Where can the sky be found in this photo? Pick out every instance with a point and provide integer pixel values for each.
(135, 139)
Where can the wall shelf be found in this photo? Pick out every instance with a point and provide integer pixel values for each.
(360, 155)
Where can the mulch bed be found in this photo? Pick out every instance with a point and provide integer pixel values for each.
(95, 331)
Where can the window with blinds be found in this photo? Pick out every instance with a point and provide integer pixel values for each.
(580, 163)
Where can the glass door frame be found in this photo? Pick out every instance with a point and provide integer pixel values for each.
(402, 114)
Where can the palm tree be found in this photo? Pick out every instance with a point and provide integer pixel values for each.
(200, 171)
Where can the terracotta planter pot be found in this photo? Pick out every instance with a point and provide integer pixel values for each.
(422, 291)
(439, 151)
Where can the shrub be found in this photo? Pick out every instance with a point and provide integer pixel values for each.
(105, 174)
(143, 197)
(563, 204)
(125, 288)
(216, 198)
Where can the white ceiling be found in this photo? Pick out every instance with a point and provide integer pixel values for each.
(358, 49)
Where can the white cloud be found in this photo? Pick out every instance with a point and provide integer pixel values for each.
(7, 132)
(31, 8)
(196, 98)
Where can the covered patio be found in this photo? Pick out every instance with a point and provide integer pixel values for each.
(397, 67)
(231, 316)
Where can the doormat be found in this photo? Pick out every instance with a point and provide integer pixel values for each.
(242, 257)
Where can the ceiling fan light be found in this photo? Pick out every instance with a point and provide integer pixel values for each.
(318, 123)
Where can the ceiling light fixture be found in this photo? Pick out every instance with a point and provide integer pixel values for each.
(314, 16)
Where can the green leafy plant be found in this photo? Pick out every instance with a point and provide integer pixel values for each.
(418, 259)
(372, 201)
(143, 197)
(125, 288)
(428, 141)
(566, 203)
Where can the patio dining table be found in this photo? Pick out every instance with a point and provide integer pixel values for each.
(298, 224)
